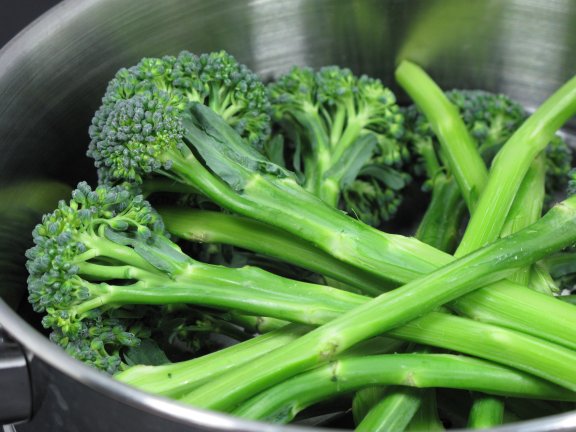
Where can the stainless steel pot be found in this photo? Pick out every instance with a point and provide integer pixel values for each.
(53, 74)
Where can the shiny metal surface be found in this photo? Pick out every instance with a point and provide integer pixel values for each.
(53, 75)
(16, 395)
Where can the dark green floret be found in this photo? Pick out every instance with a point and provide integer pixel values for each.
(71, 236)
(345, 135)
(215, 79)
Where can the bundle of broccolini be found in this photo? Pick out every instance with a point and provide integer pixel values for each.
(257, 213)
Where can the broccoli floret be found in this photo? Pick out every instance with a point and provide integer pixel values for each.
(214, 79)
(346, 133)
(65, 242)
(106, 251)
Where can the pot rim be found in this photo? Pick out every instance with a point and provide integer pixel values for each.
(38, 345)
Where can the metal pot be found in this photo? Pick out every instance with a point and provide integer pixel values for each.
(52, 77)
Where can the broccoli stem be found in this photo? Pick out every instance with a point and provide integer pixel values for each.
(426, 418)
(486, 412)
(364, 400)
(247, 289)
(276, 199)
(177, 379)
(393, 412)
(440, 225)
(496, 305)
(435, 329)
(283, 401)
(395, 308)
(215, 227)
(561, 264)
(256, 188)
(527, 208)
(510, 166)
(460, 150)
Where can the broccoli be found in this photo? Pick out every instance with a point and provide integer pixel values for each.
(491, 119)
(146, 139)
(120, 294)
(382, 314)
(215, 79)
(346, 133)
(107, 249)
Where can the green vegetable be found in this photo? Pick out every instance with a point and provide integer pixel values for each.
(282, 402)
(270, 191)
(346, 132)
(389, 310)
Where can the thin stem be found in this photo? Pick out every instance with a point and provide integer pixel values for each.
(498, 260)
(527, 208)
(177, 379)
(440, 225)
(512, 163)
(215, 227)
(459, 148)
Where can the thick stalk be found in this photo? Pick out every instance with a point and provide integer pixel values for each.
(460, 150)
(527, 208)
(283, 401)
(486, 412)
(440, 225)
(427, 418)
(177, 379)
(390, 310)
(512, 163)
(393, 412)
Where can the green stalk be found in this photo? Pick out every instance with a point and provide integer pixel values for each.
(247, 289)
(282, 402)
(435, 329)
(177, 379)
(460, 150)
(512, 163)
(364, 400)
(440, 225)
(527, 208)
(215, 227)
(561, 264)
(489, 342)
(243, 182)
(498, 260)
(486, 412)
(393, 412)
(426, 418)
(541, 281)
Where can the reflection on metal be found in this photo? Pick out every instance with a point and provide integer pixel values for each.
(22, 205)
